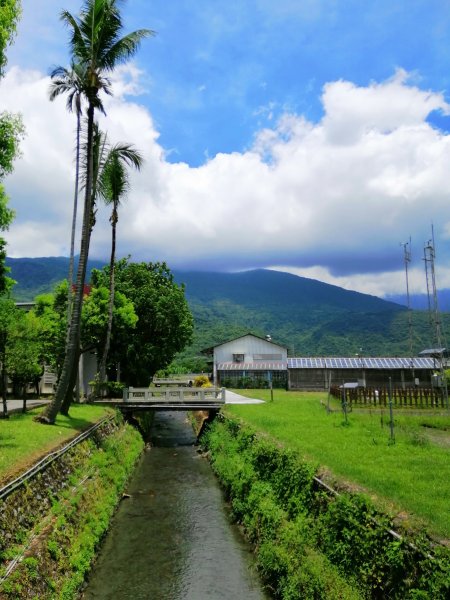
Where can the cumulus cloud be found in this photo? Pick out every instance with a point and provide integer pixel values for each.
(332, 198)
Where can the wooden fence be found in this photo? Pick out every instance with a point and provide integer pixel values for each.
(409, 397)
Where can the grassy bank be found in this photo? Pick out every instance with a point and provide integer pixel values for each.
(411, 477)
(57, 550)
(22, 440)
(309, 543)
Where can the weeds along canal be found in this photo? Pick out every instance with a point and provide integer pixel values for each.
(172, 538)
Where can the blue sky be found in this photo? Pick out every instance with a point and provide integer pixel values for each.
(258, 119)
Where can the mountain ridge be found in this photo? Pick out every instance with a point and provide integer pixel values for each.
(309, 317)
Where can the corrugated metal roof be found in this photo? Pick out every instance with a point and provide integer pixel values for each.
(259, 366)
(361, 363)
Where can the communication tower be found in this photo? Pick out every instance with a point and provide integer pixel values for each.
(433, 308)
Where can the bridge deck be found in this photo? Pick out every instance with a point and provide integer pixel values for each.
(169, 398)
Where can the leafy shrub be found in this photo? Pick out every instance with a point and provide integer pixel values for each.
(114, 389)
(202, 381)
(310, 544)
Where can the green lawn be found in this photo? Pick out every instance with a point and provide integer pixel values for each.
(22, 440)
(412, 475)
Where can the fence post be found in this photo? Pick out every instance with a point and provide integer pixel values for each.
(125, 394)
(391, 413)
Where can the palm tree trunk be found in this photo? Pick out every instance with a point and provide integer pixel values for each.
(64, 410)
(102, 367)
(72, 344)
(24, 397)
(4, 388)
(74, 218)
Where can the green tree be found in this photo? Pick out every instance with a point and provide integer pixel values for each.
(11, 129)
(10, 11)
(114, 185)
(23, 353)
(95, 319)
(7, 315)
(97, 46)
(165, 323)
(51, 310)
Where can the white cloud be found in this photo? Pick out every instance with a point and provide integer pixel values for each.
(352, 112)
(376, 284)
(338, 195)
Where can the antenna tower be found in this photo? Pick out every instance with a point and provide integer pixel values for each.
(433, 307)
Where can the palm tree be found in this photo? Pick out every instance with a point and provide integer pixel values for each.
(71, 82)
(97, 47)
(114, 184)
(99, 143)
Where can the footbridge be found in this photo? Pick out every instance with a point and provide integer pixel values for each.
(168, 398)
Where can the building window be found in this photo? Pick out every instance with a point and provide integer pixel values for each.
(238, 358)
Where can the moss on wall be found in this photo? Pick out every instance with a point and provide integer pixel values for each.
(55, 523)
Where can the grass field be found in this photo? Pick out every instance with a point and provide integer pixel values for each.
(22, 440)
(410, 477)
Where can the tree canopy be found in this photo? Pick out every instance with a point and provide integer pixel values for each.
(165, 323)
(10, 11)
(11, 130)
(51, 311)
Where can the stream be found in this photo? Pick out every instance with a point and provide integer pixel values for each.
(172, 539)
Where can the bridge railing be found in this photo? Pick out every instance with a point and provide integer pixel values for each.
(184, 380)
(171, 395)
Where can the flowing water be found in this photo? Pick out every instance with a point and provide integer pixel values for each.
(172, 539)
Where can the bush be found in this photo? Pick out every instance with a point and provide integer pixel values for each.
(312, 545)
(114, 389)
(202, 381)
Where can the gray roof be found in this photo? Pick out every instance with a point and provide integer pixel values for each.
(434, 352)
(361, 363)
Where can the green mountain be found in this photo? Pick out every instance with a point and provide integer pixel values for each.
(36, 276)
(310, 317)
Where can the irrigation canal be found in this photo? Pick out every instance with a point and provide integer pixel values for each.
(172, 538)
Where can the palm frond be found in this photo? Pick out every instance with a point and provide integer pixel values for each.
(114, 182)
(124, 48)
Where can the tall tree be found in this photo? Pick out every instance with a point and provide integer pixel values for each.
(97, 46)
(71, 82)
(114, 185)
(11, 128)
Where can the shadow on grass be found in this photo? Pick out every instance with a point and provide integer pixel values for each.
(74, 423)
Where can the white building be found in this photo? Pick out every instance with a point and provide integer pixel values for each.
(249, 358)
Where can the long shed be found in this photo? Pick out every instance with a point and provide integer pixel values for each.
(315, 373)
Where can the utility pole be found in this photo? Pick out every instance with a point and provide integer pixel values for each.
(407, 260)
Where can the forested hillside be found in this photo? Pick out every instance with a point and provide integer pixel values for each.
(309, 317)
(36, 276)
